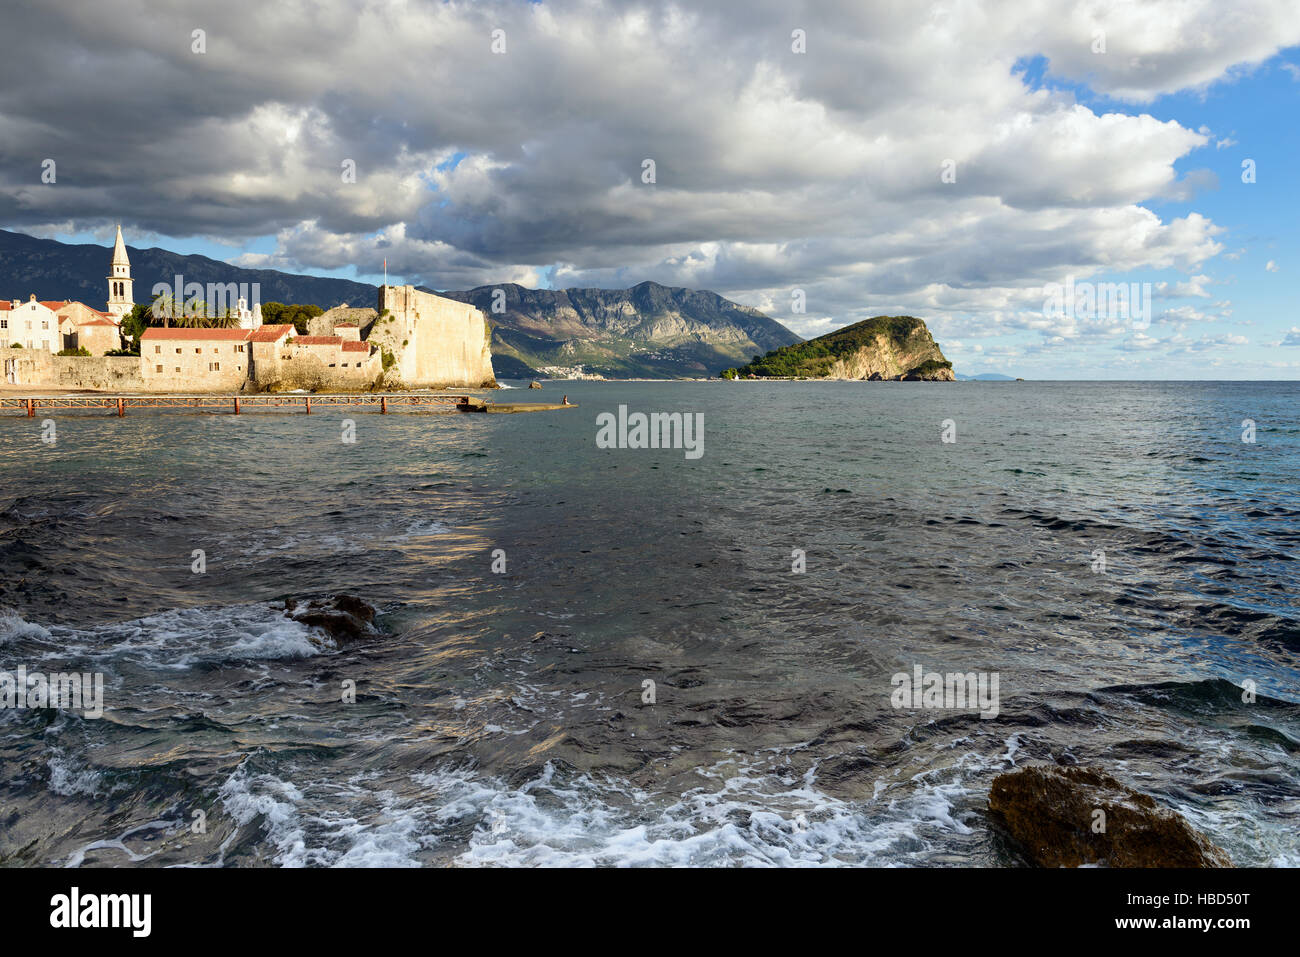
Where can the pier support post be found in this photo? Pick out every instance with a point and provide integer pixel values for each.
(121, 406)
(236, 405)
(383, 405)
(31, 408)
(308, 401)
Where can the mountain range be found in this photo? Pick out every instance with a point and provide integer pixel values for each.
(647, 331)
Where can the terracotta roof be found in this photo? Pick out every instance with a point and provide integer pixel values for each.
(271, 333)
(350, 346)
(101, 318)
(6, 304)
(318, 340)
(193, 335)
(55, 305)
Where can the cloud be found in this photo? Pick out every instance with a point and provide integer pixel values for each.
(774, 170)
(1270, 266)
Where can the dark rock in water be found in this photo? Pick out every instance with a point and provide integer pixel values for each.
(534, 385)
(1051, 813)
(875, 377)
(342, 617)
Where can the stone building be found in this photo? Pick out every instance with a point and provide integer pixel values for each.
(31, 324)
(269, 358)
(194, 360)
(318, 363)
(85, 328)
(332, 321)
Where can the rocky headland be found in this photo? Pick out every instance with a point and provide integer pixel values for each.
(897, 348)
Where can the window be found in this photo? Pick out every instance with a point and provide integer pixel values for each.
(215, 350)
(239, 348)
(178, 352)
(45, 323)
(158, 369)
(214, 366)
(178, 368)
(198, 351)
(156, 351)
(4, 323)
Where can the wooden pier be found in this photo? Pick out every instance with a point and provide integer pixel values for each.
(237, 404)
(381, 402)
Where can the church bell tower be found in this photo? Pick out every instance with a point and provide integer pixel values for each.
(120, 298)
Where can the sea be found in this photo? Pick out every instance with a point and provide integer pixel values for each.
(589, 654)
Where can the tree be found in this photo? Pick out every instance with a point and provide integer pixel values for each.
(297, 314)
(133, 325)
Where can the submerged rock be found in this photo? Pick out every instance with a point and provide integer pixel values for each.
(534, 384)
(342, 617)
(1052, 813)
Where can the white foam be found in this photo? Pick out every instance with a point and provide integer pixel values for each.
(68, 778)
(13, 625)
(743, 816)
(181, 638)
(321, 825)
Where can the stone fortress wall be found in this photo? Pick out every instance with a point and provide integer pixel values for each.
(38, 368)
(436, 343)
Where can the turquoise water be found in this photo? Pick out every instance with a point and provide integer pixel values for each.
(499, 717)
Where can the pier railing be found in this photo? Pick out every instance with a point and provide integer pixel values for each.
(381, 402)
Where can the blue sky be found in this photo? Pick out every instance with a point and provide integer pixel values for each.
(1252, 116)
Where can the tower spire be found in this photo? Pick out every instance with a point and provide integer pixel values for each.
(119, 250)
(120, 298)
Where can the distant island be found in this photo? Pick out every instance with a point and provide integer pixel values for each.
(894, 348)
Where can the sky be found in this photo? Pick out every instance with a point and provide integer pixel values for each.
(823, 162)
